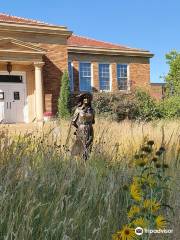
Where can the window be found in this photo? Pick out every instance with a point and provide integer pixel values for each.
(70, 71)
(11, 78)
(104, 76)
(16, 95)
(85, 76)
(1, 95)
(122, 77)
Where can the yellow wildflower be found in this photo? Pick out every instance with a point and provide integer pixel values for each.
(160, 222)
(133, 210)
(141, 222)
(127, 233)
(135, 191)
(149, 180)
(151, 205)
(136, 180)
(116, 236)
(140, 162)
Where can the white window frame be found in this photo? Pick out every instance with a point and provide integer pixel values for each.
(110, 76)
(128, 74)
(72, 74)
(91, 76)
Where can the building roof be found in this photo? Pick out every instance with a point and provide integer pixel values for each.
(81, 44)
(75, 43)
(17, 24)
(14, 19)
(80, 41)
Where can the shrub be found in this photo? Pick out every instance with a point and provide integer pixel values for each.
(148, 108)
(118, 106)
(170, 107)
(64, 98)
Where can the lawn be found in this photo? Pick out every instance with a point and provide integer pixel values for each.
(47, 194)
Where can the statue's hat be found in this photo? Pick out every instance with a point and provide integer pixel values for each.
(83, 95)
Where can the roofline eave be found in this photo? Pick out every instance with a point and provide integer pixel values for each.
(25, 52)
(34, 28)
(158, 83)
(109, 51)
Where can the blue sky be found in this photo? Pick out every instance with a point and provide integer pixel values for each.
(152, 25)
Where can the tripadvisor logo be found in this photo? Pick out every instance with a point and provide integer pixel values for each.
(138, 231)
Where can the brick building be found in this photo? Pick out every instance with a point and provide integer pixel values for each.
(34, 55)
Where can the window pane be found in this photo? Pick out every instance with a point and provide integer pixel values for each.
(122, 76)
(11, 78)
(70, 71)
(85, 76)
(104, 77)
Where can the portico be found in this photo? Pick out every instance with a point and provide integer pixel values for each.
(21, 97)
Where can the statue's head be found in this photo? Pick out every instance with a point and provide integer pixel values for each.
(85, 99)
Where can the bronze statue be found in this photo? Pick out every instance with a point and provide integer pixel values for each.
(83, 120)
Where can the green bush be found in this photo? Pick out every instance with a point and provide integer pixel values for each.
(170, 107)
(148, 108)
(64, 98)
(118, 106)
(137, 105)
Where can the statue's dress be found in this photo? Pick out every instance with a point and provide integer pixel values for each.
(83, 120)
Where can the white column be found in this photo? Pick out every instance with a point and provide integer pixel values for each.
(39, 90)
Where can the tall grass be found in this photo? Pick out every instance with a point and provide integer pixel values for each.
(46, 194)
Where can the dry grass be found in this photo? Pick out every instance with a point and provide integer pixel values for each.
(45, 195)
(125, 130)
(127, 136)
(130, 135)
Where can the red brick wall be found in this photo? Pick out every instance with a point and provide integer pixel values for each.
(139, 69)
(55, 63)
(156, 91)
(95, 75)
(140, 73)
(114, 76)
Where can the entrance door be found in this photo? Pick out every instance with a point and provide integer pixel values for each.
(16, 103)
(12, 103)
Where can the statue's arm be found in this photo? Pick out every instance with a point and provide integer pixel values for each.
(75, 118)
(93, 120)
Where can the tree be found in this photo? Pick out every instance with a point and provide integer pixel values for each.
(172, 79)
(64, 98)
(170, 106)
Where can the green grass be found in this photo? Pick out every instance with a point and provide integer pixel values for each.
(44, 194)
